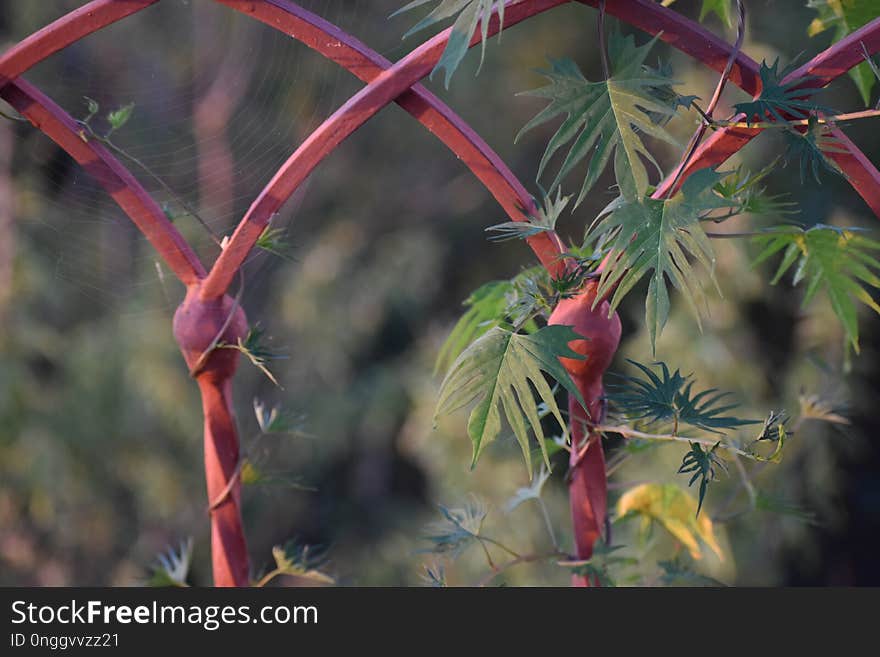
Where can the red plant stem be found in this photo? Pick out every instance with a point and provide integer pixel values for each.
(228, 547)
(397, 79)
(60, 33)
(110, 174)
(819, 71)
(198, 325)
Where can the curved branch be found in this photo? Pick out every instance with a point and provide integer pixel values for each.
(61, 128)
(397, 79)
(821, 70)
(68, 29)
(366, 64)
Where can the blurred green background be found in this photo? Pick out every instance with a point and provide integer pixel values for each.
(100, 426)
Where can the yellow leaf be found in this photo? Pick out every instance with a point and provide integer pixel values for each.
(676, 511)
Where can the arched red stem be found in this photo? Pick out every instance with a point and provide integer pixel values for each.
(111, 174)
(199, 326)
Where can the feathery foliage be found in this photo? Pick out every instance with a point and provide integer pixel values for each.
(670, 398)
(702, 463)
(544, 220)
(496, 372)
(839, 260)
(459, 528)
(172, 567)
(605, 118)
(299, 560)
(778, 98)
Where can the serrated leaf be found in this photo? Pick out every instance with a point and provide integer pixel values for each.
(674, 510)
(605, 118)
(837, 260)
(743, 188)
(499, 372)
(470, 14)
(845, 17)
(659, 236)
(542, 221)
(780, 101)
(669, 397)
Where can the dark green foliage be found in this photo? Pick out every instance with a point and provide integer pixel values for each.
(702, 463)
(811, 149)
(670, 398)
(791, 99)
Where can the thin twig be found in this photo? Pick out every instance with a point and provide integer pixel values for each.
(603, 48)
(719, 89)
(525, 558)
(629, 432)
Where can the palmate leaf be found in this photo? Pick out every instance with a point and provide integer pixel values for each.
(470, 13)
(836, 259)
(669, 397)
(779, 101)
(675, 511)
(658, 236)
(496, 372)
(845, 17)
(704, 464)
(607, 117)
(172, 567)
(743, 189)
(811, 149)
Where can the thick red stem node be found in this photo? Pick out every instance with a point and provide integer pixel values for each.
(587, 489)
(199, 326)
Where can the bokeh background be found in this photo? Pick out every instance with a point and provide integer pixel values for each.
(100, 426)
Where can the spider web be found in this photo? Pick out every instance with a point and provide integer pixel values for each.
(220, 101)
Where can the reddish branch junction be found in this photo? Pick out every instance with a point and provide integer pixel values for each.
(208, 313)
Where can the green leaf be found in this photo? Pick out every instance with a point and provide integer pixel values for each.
(702, 462)
(303, 561)
(670, 398)
(811, 149)
(607, 117)
(256, 351)
(271, 240)
(549, 210)
(496, 372)
(778, 99)
(470, 13)
(721, 8)
(93, 108)
(836, 259)
(659, 235)
(172, 567)
(743, 189)
(675, 511)
(486, 310)
(845, 17)
(119, 117)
